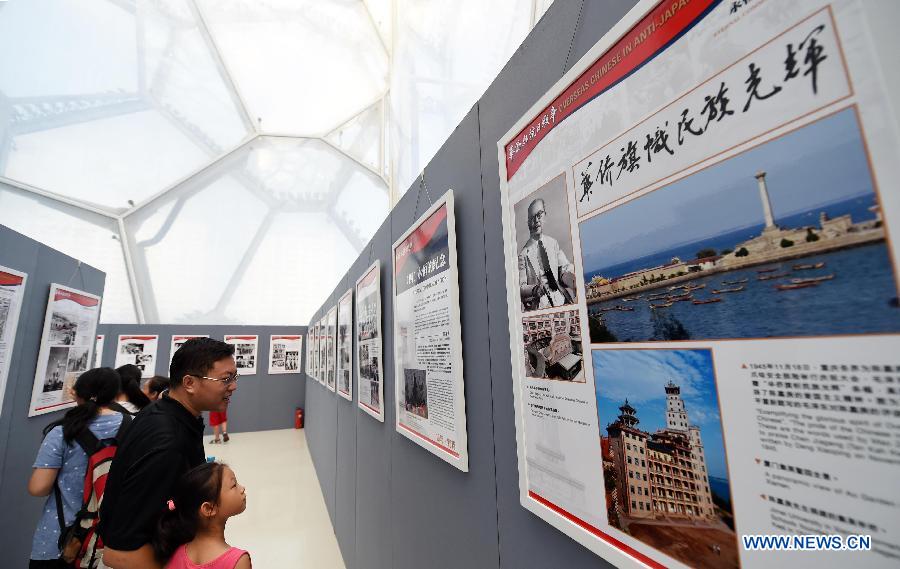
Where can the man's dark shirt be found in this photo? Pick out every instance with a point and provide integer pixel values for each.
(163, 442)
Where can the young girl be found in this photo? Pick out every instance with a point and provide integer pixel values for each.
(61, 459)
(191, 533)
(132, 398)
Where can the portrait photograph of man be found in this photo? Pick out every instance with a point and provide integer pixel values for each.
(544, 241)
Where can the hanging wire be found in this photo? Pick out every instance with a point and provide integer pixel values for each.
(574, 33)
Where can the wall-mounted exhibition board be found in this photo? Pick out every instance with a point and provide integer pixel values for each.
(12, 291)
(345, 346)
(246, 350)
(140, 350)
(98, 349)
(696, 231)
(284, 353)
(370, 368)
(428, 362)
(67, 345)
(176, 342)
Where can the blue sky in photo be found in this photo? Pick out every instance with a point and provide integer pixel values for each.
(818, 164)
(640, 376)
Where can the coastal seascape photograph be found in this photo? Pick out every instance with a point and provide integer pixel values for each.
(771, 242)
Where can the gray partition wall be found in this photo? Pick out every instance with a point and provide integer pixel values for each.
(20, 436)
(412, 509)
(262, 402)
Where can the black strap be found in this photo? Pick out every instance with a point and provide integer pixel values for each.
(115, 406)
(59, 507)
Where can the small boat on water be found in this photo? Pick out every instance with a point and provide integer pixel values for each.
(708, 301)
(813, 279)
(773, 276)
(809, 266)
(689, 288)
(663, 305)
(767, 270)
(657, 296)
(795, 286)
(625, 309)
(631, 298)
(724, 290)
(739, 281)
(680, 298)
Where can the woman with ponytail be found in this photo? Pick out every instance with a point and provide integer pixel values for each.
(191, 531)
(131, 398)
(62, 462)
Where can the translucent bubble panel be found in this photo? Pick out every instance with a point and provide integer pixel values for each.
(302, 66)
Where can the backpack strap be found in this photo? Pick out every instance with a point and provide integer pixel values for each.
(60, 516)
(115, 406)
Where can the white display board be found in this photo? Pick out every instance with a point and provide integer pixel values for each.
(284, 353)
(370, 369)
(67, 346)
(98, 350)
(696, 227)
(176, 342)
(12, 291)
(309, 349)
(330, 347)
(140, 350)
(320, 351)
(246, 348)
(428, 361)
(345, 346)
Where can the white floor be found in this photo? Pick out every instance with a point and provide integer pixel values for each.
(285, 524)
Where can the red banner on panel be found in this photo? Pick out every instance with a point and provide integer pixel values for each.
(664, 24)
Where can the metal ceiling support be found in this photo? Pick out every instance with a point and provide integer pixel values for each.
(190, 176)
(384, 45)
(360, 163)
(58, 198)
(129, 268)
(349, 117)
(223, 67)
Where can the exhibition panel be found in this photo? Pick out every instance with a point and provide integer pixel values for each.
(431, 406)
(67, 345)
(12, 291)
(20, 434)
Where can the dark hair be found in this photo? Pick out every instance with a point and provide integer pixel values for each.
(197, 355)
(179, 525)
(131, 385)
(98, 388)
(157, 384)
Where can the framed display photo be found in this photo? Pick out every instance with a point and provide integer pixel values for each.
(429, 389)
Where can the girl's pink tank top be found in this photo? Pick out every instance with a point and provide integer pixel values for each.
(225, 561)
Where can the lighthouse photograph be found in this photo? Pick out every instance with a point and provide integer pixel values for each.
(771, 242)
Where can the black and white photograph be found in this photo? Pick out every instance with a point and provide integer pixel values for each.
(56, 369)
(544, 248)
(553, 347)
(63, 329)
(78, 358)
(415, 391)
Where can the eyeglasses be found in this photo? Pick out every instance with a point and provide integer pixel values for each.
(225, 380)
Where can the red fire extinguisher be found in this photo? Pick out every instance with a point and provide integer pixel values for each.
(298, 418)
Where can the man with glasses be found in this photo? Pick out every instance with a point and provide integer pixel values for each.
(164, 441)
(546, 277)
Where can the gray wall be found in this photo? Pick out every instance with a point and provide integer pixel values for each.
(20, 436)
(394, 505)
(261, 402)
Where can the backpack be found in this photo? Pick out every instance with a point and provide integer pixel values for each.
(79, 542)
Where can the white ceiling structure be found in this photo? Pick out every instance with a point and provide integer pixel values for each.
(224, 161)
